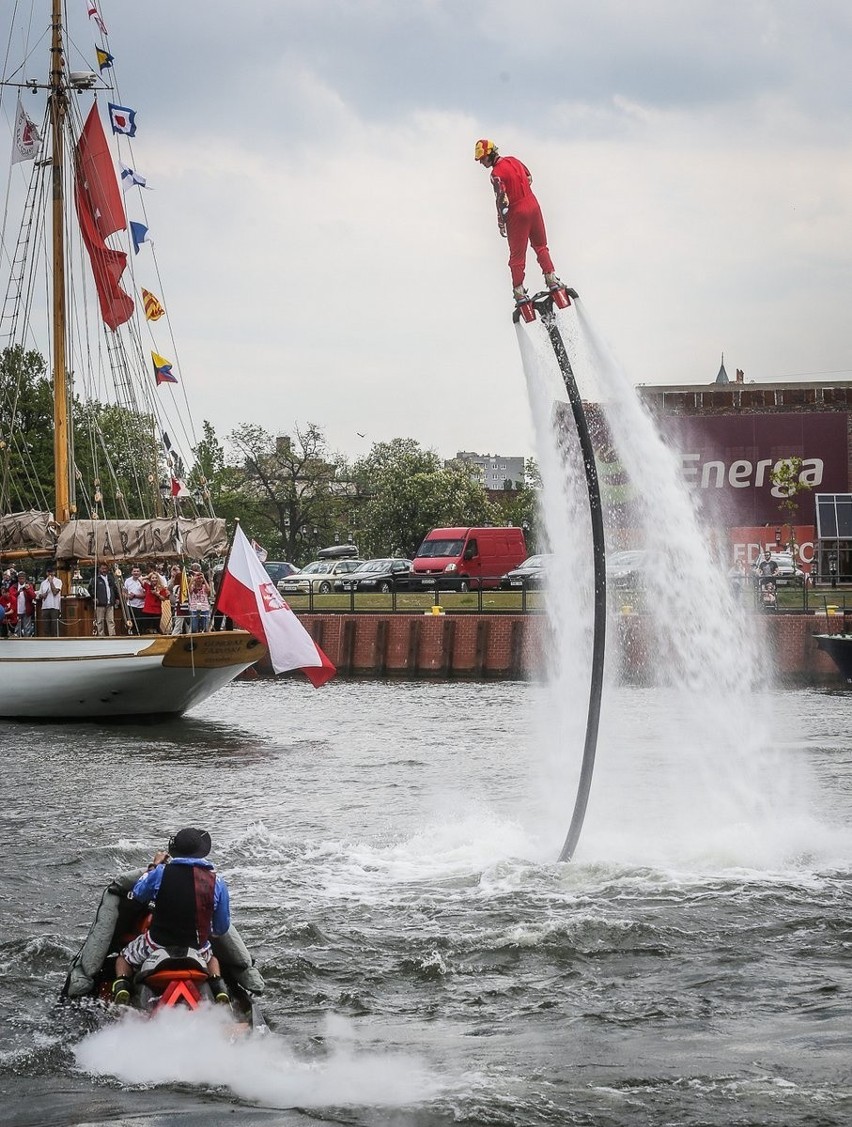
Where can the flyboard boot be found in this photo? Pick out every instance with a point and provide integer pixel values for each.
(523, 301)
(560, 293)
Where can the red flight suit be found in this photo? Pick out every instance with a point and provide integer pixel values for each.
(519, 211)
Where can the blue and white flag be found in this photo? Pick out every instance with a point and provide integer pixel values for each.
(130, 178)
(139, 234)
(122, 119)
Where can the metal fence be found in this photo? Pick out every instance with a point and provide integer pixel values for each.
(807, 598)
(407, 597)
(529, 598)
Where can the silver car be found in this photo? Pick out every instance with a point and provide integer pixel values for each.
(318, 577)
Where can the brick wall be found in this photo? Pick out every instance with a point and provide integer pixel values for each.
(515, 646)
(428, 645)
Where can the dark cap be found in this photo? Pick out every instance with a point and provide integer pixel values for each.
(190, 842)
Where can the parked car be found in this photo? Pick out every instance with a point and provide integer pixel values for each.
(279, 569)
(377, 575)
(531, 573)
(461, 558)
(628, 569)
(318, 576)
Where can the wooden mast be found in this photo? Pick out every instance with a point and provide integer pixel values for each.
(58, 111)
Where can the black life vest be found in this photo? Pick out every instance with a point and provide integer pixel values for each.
(183, 910)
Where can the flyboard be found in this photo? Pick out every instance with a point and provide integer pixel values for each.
(545, 305)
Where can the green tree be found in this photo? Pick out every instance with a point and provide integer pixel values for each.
(411, 492)
(26, 431)
(217, 484)
(119, 460)
(785, 477)
(398, 458)
(295, 494)
(116, 457)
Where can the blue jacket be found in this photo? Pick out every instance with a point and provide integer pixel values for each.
(147, 887)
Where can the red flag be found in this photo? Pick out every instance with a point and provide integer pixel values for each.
(101, 212)
(251, 599)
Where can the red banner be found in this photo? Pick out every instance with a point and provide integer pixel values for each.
(748, 543)
(728, 460)
(101, 213)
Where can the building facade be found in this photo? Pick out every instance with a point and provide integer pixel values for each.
(493, 471)
(731, 437)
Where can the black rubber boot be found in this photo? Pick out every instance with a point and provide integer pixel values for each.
(220, 991)
(121, 992)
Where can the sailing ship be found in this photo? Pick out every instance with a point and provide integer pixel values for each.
(104, 505)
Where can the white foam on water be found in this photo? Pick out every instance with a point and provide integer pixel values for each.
(200, 1048)
(704, 780)
(453, 847)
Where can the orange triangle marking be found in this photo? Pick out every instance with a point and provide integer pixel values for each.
(177, 992)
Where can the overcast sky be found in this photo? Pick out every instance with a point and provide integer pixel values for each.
(327, 247)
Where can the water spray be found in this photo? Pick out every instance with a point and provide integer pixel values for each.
(545, 305)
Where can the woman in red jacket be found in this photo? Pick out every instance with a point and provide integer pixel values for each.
(156, 593)
(23, 594)
(519, 216)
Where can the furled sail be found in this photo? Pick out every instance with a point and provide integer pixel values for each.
(25, 531)
(160, 537)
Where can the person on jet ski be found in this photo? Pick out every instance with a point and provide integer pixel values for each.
(189, 904)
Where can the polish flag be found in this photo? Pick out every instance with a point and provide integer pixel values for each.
(251, 599)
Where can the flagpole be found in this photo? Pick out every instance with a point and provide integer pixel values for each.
(224, 569)
(58, 110)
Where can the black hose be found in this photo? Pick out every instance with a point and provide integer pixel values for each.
(548, 318)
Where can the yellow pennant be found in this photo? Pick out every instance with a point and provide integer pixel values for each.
(153, 310)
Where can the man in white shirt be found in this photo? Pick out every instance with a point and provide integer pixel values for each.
(135, 593)
(49, 596)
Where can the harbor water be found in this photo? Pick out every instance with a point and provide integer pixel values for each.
(391, 849)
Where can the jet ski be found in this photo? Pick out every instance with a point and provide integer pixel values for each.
(172, 977)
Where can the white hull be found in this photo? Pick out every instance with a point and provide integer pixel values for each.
(82, 678)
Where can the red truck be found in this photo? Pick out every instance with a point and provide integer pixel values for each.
(461, 558)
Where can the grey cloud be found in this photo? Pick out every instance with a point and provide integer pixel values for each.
(386, 58)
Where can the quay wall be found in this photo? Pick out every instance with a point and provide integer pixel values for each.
(485, 646)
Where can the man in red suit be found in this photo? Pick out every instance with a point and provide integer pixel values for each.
(518, 215)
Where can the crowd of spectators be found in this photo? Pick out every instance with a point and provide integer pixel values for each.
(149, 600)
